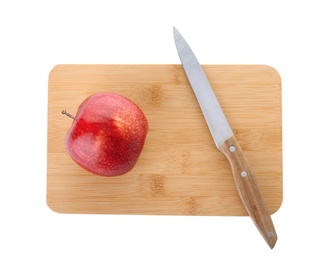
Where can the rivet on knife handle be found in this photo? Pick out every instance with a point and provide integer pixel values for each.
(248, 190)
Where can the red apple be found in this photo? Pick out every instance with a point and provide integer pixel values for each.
(107, 134)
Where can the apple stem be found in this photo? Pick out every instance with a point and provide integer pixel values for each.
(64, 112)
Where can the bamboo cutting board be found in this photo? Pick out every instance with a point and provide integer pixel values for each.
(180, 171)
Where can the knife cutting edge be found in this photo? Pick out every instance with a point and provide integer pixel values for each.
(226, 142)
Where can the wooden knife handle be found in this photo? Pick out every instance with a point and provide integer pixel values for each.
(248, 190)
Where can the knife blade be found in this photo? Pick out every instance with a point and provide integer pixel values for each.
(226, 142)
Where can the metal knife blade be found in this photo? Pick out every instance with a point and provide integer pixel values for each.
(226, 142)
(211, 109)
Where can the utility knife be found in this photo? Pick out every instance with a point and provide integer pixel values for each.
(226, 142)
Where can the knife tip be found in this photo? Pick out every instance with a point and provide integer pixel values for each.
(177, 34)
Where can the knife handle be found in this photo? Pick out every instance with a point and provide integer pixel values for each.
(248, 190)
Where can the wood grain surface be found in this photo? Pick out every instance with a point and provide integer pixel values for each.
(180, 171)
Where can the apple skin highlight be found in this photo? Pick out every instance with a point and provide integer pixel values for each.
(107, 134)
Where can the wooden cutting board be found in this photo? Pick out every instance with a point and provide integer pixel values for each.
(180, 171)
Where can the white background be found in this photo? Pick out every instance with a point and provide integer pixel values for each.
(36, 35)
